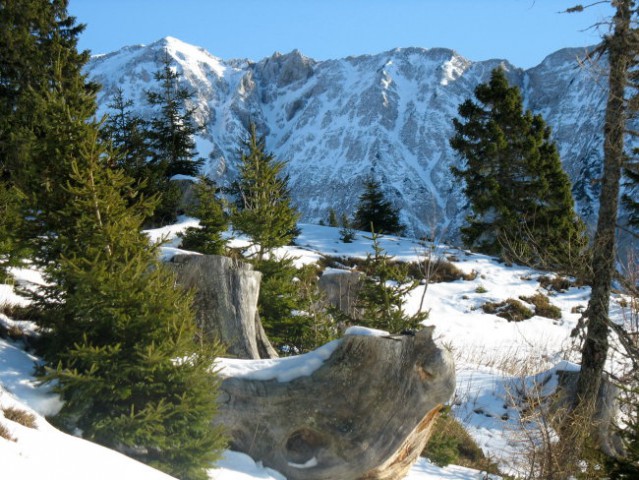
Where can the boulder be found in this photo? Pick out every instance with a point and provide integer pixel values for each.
(361, 407)
(226, 293)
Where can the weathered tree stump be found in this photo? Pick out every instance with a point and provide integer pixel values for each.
(341, 288)
(226, 293)
(365, 413)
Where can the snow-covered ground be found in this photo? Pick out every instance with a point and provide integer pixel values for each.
(495, 361)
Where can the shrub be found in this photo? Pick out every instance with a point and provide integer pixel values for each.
(558, 284)
(4, 433)
(440, 270)
(451, 443)
(543, 307)
(20, 416)
(481, 289)
(510, 309)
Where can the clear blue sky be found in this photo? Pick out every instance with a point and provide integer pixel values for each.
(522, 31)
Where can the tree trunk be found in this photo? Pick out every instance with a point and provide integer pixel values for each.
(365, 413)
(595, 348)
(226, 293)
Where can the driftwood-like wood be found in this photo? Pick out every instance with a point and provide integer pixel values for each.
(366, 413)
(226, 293)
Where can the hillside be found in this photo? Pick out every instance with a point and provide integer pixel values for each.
(496, 361)
(387, 114)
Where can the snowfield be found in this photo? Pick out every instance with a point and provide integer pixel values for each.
(496, 362)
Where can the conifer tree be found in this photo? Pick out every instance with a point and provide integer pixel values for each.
(264, 211)
(170, 135)
(44, 98)
(214, 221)
(381, 298)
(520, 198)
(172, 129)
(374, 211)
(129, 369)
(126, 132)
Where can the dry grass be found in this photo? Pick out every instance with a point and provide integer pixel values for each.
(510, 309)
(4, 433)
(20, 416)
(543, 307)
(557, 283)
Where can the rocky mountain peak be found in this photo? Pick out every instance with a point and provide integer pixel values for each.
(335, 122)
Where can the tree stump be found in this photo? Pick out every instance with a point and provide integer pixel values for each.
(365, 412)
(226, 293)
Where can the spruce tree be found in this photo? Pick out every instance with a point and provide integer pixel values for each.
(123, 337)
(263, 205)
(44, 100)
(214, 221)
(126, 132)
(375, 212)
(381, 297)
(170, 134)
(520, 198)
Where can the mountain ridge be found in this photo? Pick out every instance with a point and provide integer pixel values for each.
(335, 122)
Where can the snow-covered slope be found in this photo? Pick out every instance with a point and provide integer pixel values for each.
(494, 359)
(337, 121)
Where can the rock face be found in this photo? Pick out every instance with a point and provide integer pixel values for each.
(337, 121)
(226, 293)
(365, 413)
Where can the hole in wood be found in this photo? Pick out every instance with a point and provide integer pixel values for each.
(303, 445)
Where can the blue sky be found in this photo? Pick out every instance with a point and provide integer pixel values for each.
(522, 31)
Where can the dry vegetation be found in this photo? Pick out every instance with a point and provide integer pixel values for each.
(20, 416)
(510, 309)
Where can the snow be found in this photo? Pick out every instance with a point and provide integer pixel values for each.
(282, 369)
(496, 361)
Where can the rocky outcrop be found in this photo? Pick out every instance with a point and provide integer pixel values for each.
(364, 412)
(334, 122)
(226, 293)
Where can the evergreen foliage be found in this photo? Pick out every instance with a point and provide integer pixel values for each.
(263, 203)
(170, 135)
(11, 249)
(44, 100)
(520, 197)
(119, 333)
(346, 231)
(380, 301)
(214, 222)
(126, 132)
(123, 337)
(375, 212)
(289, 306)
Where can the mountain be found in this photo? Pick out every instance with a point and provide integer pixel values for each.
(335, 122)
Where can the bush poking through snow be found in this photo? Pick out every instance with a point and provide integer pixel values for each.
(558, 284)
(543, 307)
(4, 433)
(510, 309)
(20, 416)
(451, 443)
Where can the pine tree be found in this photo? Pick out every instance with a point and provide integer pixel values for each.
(170, 135)
(126, 132)
(129, 369)
(214, 222)
(519, 195)
(172, 129)
(374, 211)
(381, 298)
(264, 211)
(44, 100)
